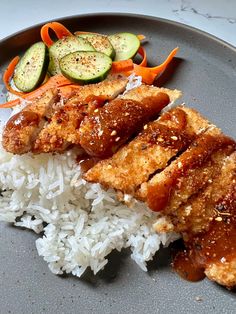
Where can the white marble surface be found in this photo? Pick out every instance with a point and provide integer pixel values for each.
(217, 17)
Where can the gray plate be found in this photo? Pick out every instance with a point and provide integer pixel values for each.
(205, 72)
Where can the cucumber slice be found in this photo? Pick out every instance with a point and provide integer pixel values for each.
(126, 45)
(85, 67)
(64, 46)
(32, 67)
(101, 43)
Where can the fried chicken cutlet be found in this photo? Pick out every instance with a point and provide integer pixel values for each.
(46, 125)
(192, 185)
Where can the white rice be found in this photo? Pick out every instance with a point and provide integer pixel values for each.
(84, 223)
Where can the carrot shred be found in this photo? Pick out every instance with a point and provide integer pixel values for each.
(59, 29)
(150, 74)
(122, 66)
(8, 75)
(141, 37)
(143, 54)
(128, 65)
(65, 87)
(10, 104)
(55, 81)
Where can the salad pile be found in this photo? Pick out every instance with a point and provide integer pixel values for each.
(75, 59)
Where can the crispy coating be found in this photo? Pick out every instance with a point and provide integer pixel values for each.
(103, 132)
(190, 172)
(149, 152)
(109, 88)
(185, 167)
(207, 221)
(143, 91)
(223, 273)
(22, 129)
(62, 131)
(195, 215)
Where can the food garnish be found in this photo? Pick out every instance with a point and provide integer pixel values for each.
(121, 48)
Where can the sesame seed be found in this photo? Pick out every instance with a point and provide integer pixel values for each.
(198, 299)
(218, 218)
(175, 138)
(117, 139)
(113, 133)
(96, 110)
(145, 127)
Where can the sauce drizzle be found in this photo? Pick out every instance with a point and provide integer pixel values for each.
(216, 245)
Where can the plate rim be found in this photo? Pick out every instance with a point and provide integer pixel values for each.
(166, 21)
(134, 15)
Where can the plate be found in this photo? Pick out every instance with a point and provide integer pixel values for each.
(205, 71)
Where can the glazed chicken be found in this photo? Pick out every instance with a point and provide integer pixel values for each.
(23, 128)
(180, 165)
(62, 128)
(149, 152)
(43, 125)
(184, 167)
(103, 132)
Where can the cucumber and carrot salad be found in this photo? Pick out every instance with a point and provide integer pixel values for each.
(75, 59)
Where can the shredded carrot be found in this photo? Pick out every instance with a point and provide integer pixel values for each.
(65, 87)
(150, 74)
(59, 29)
(55, 81)
(122, 66)
(10, 104)
(143, 53)
(8, 75)
(141, 37)
(128, 65)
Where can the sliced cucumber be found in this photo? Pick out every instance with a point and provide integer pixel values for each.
(101, 43)
(126, 45)
(32, 67)
(64, 46)
(85, 67)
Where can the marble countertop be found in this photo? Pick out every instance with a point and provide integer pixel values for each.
(213, 16)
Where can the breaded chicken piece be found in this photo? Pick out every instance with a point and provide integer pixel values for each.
(62, 131)
(195, 215)
(207, 222)
(57, 136)
(143, 91)
(22, 128)
(103, 132)
(149, 152)
(215, 249)
(190, 172)
(222, 273)
(109, 89)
